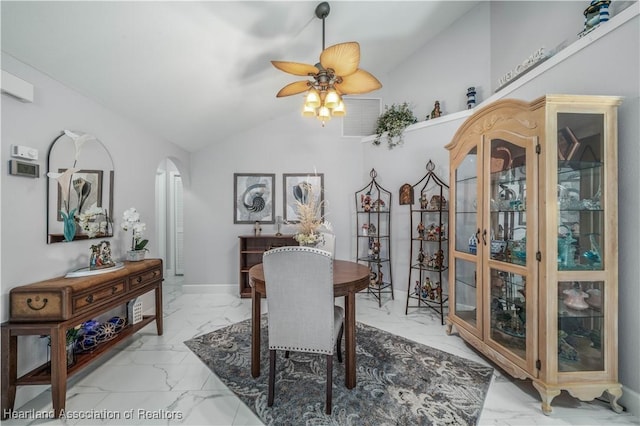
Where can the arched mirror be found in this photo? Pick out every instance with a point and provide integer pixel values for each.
(79, 188)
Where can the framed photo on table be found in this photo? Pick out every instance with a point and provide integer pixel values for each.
(299, 187)
(254, 198)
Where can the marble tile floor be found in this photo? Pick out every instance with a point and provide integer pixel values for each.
(156, 380)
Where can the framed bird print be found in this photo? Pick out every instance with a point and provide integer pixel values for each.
(253, 195)
(303, 188)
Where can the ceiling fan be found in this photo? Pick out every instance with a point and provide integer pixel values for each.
(335, 75)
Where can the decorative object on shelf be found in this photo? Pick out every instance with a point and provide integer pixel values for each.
(392, 123)
(575, 298)
(134, 311)
(436, 112)
(118, 322)
(279, 222)
(131, 221)
(257, 229)
(473, 244)
(101, 256)
(471, 97)
(535, 59)
(336, 74)
(429, 242)
(373, 246)
(592, 255)
(254, 198)
(406, 194)
(595, 298)
(596, 13)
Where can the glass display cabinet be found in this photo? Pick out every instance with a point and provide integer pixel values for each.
(533, 264)
(428, 252)
(373, 227)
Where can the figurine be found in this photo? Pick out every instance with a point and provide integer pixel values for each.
(376, 249)
(471, 97)
(378, 205)
(436, 110)
(432, 232)
(424, 203)
(420, 230)
(421, 256)
(575, 298)
(365, 200)
(437, 202)
(365, 229)
(257, 229)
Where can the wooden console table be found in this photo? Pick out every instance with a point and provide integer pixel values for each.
(53, 306)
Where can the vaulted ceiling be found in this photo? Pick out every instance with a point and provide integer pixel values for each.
(195, 73)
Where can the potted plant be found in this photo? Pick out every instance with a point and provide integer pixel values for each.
(392, 123)
(131, 221)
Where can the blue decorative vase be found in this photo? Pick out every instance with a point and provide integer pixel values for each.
(69, 222)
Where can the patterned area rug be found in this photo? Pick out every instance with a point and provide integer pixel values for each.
(399, 382)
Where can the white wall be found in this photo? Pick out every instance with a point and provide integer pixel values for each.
(290, 144)
(26, 257)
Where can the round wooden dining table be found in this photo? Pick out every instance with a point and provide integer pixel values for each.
(348, 279)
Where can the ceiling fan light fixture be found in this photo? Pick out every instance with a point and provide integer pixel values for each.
(332, 99)
(308, 111)
(313, 98)
(340, 110)
(324, 114)
(336, 74)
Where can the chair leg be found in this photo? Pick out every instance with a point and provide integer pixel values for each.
(272, 376)
(339, 343)
(329, 383)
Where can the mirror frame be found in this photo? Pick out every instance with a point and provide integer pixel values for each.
(105, 174)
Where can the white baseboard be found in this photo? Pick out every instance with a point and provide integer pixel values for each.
(630, 400)
(210, 288)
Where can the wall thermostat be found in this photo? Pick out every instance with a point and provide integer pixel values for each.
(23, 168)
(25, 152)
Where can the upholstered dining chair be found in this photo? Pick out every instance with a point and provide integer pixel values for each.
(301, 313)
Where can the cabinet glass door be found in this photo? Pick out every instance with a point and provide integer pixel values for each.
(581, 210)
(507, 206)
(467, 232)
(508, 311)
(581, 236)
(466, 292)
(466, 204)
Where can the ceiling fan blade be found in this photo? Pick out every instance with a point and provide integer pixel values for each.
(296, 68)
(360, 81)
(342, 58)
(294, 88)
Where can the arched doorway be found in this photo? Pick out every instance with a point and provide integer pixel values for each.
(169, 208)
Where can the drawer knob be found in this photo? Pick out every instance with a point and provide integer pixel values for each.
(114, 289)
(139, 279)
(89, 298)
(35, 308)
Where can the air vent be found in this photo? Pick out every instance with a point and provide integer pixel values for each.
(361, 118)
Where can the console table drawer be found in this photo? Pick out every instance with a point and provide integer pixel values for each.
(98, 296)
(143, 278)
(38, 305)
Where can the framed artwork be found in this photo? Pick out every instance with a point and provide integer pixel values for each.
(86, 189)
(298, 187)
(253, 198)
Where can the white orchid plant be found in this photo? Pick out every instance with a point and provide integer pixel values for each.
(131, 221)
